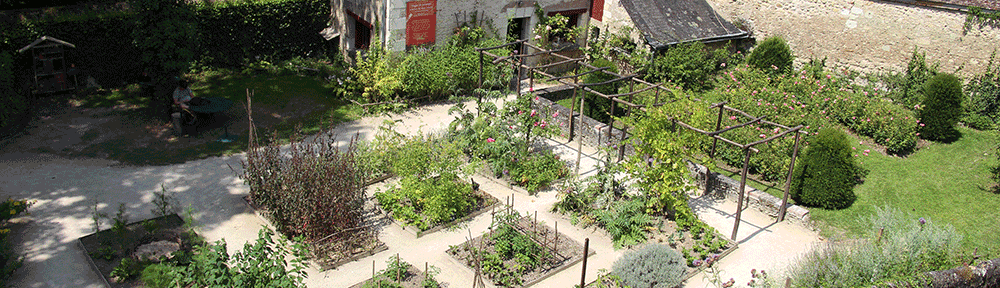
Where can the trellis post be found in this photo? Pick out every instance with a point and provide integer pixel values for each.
(743, 185)
(480, 92)
(788, 180)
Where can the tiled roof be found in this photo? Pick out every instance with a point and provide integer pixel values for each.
(667, 22)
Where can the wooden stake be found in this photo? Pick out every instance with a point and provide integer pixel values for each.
(583, 275)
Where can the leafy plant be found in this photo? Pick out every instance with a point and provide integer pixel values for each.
(9, 261)
(164, 202)
(127, 269)
(260, 264)
(984, 94)
(157, 275)
(907, 88)
(772, 55)
(119, 226)
(827, 174)
(942, 107)
(626, 221)
(652, 265)
(690, 65)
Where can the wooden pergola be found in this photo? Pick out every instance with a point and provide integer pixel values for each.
(627, 99)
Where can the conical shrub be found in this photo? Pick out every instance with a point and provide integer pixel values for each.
(826, 174)
(942, 108)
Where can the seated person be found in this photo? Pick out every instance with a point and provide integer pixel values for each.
(182, 99)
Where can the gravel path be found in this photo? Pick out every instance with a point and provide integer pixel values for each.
(66, 189)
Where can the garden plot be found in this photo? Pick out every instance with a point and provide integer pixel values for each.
(417, 212)
(518, 251)
(400, 274)
(331, 252)
(119, 254)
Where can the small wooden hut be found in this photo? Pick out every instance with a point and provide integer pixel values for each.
(52, 72)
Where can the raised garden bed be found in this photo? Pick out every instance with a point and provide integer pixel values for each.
(482, 202)
(693, 245)
(107, 248)
(527, 241)
(329, 254)
(395, 276)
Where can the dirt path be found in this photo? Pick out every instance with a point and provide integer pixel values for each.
(67, 188)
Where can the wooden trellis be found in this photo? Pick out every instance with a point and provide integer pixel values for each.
(517, 63)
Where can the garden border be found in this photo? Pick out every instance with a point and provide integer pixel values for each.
(565, 265)
(323, 267)
(721, 256)
(90, 259)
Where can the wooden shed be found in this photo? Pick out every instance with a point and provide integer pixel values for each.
(52, 72)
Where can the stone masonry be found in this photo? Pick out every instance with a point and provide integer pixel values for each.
(867, 36)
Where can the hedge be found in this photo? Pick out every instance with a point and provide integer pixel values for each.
(231, 34)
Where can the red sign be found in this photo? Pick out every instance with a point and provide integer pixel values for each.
(421, 22)
(597, 9)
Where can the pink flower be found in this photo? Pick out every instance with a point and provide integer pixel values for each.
(723, 64)
(763, 136)
(542, 125)
(519, 112)
(921, 124)
(554, 115)
(732, 117)
(490, 140)
(533, 113)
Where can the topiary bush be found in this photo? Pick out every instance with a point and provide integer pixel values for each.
(942, 108)
(827, 174)
(772, 55)
(653, 266)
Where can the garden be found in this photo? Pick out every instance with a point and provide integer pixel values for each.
(887, 162)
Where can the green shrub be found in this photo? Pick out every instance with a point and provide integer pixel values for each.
(978, 122)
(827, 174)
(772, 55)
(911, 92)
(157, 276)
(897, 249)
(428, 202)
(653, 265)
(984, 91)
(626, 221)
(690, 65)
(264, 263)
(599, 107)
(942, 107)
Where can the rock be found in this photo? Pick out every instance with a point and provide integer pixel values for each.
(156, 250)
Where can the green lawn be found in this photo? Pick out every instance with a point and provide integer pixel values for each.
(280, 104)
(942, 182)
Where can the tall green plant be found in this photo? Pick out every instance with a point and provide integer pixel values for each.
(599, 107)
(660, 148)
(828, 173)
(263, 263)
(772, 55)
(984, 91)
(942, 108)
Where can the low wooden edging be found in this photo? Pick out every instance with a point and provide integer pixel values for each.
(91, 261)
(323, 267)
(558, 269)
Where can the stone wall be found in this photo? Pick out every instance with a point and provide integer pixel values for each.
(720, 186)
(867, 36)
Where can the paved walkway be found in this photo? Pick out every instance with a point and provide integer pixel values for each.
(66, 190)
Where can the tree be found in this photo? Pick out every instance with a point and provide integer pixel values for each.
(827, 174)
(942, 108)
(772, 55)
(165, 33)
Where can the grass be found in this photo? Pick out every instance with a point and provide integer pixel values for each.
(281, 104)
(943, 182)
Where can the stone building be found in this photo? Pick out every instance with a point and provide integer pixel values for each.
(402, 24)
